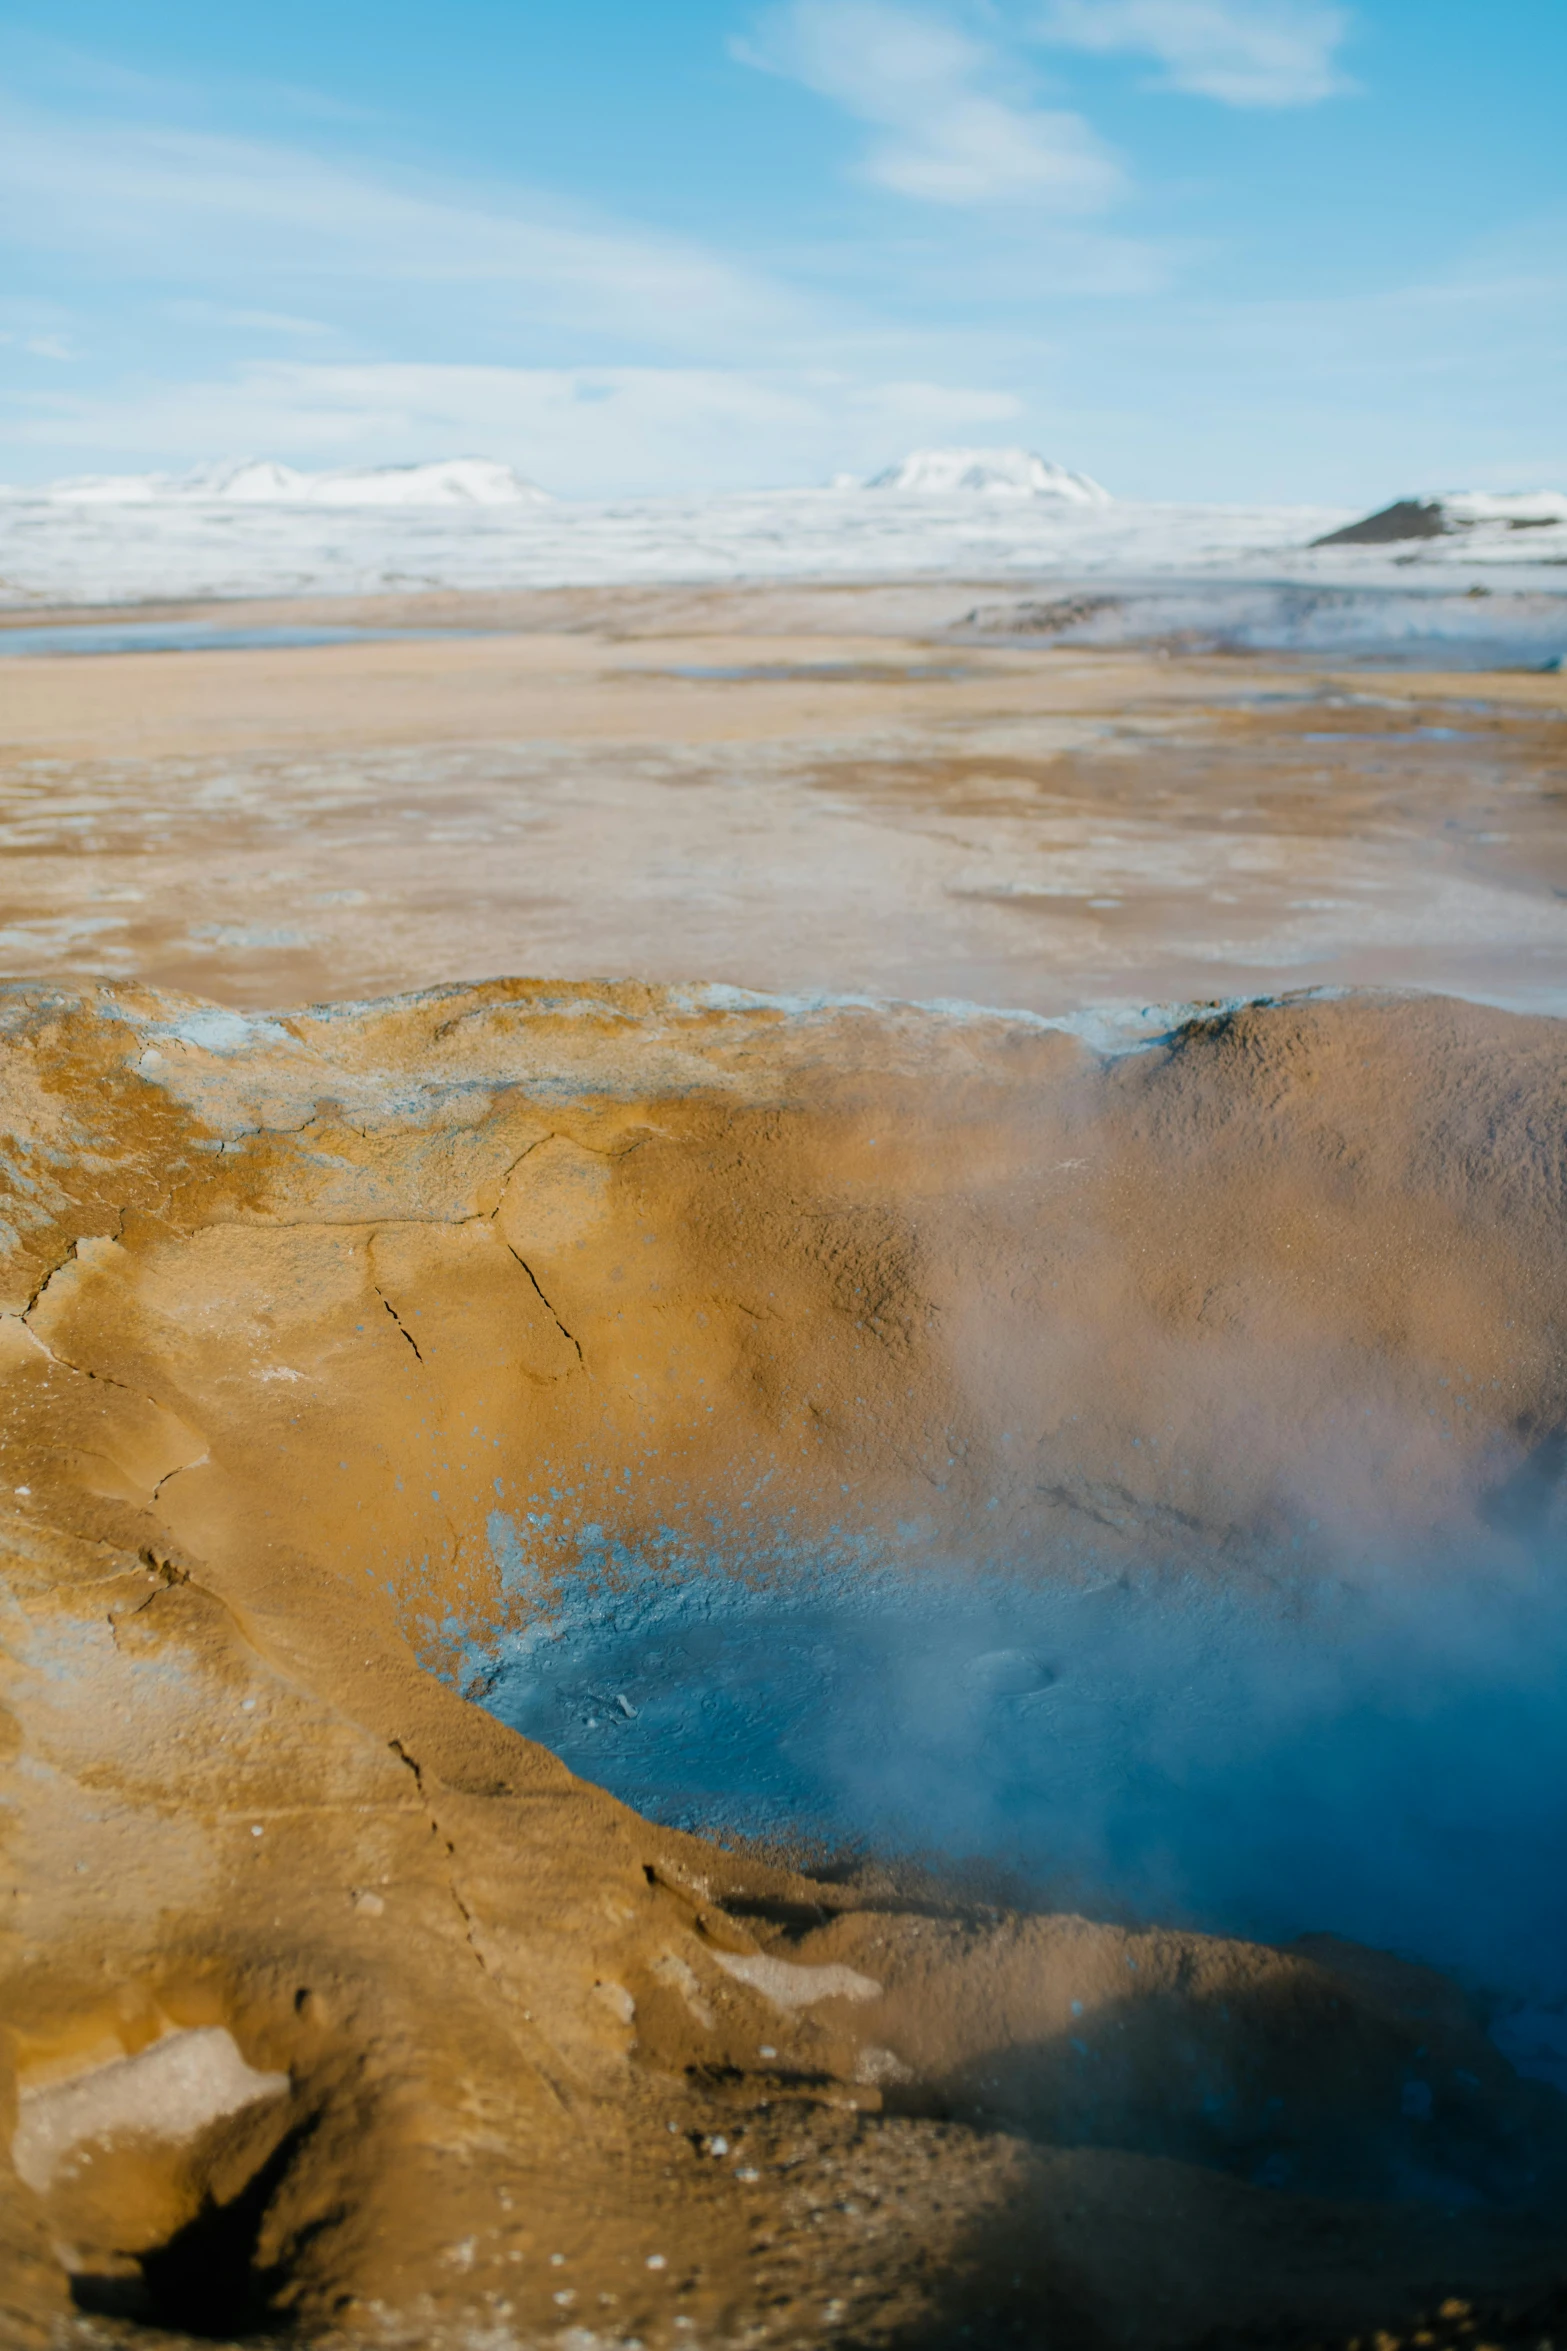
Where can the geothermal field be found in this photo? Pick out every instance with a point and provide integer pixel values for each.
(783, 1424)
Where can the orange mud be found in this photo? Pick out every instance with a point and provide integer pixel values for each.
(288, 1300)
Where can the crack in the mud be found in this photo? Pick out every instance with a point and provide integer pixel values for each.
(559, 2090)
(201, 1462)
(571, 1336)
(464, 1913)
(105, 1379)
(48, 1278)
(397, 1318)
(168, 1575)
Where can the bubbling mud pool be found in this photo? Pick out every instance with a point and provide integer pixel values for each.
(1375, 1759)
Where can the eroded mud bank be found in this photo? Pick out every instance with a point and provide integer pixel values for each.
(343, 1352)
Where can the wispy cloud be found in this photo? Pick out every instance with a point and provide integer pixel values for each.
(934, 95)
(31, 60)
(1242, 52)
(36, 346)
(224, 212)
(240, 320)
(184, 286)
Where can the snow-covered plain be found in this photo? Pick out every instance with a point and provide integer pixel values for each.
(261, 529)
(1480, 512)
(137, 539)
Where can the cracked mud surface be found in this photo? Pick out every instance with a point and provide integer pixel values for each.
(334, 2007)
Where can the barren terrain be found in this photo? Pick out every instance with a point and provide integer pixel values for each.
(803, 791)
(344, 1349)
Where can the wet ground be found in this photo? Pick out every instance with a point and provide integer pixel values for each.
(802, 791)
(22, 643)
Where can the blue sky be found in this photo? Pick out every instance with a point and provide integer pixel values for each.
(1281, 249)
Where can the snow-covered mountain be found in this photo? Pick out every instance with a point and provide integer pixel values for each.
(262, 481)
(1489, 523)
(264, 529)
(993, 473)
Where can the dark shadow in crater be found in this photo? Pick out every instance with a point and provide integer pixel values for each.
(209, 2279)
(1272, 2090)
(1108, 2256)
(1005, 2291)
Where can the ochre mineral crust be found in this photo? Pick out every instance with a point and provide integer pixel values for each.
(331, 2004)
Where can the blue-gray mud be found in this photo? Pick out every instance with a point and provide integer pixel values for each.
(1382, 1758)
(59, 639)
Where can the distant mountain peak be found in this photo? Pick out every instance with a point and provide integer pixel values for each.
(996, 473)
(1452, 515)
(265, 481)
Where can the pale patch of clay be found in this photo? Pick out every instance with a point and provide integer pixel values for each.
(672, 1970)
(170, 2091)
(875, 2067)
(788, 1986)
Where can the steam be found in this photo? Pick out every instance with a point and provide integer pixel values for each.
(1382, 1757)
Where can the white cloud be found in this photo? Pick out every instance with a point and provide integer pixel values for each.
(1243, 52)
(585, 431)
(225, 314)
(38, 346)
(231, 213)
(930, 91)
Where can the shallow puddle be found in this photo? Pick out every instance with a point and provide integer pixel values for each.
(194, 636)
